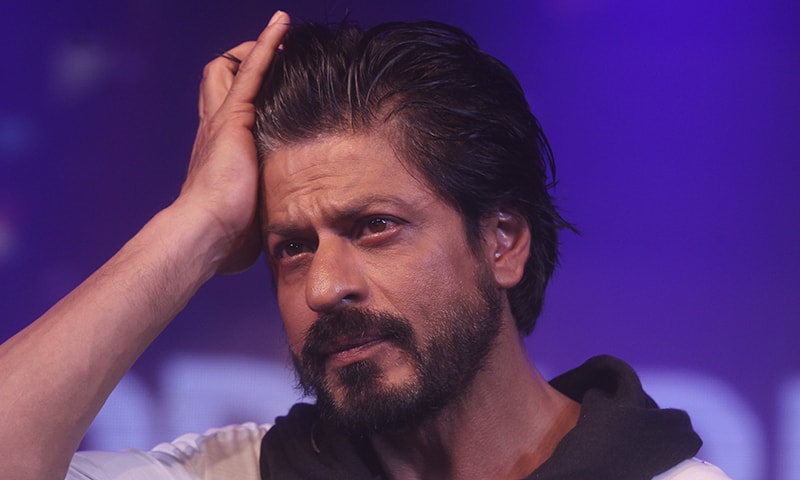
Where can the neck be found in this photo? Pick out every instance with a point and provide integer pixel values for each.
(508, 424)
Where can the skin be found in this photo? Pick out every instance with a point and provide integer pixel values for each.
(58, 371)
(347, 224)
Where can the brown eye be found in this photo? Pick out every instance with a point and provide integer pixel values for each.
(292, 249)
(377, 225)
(376, 230)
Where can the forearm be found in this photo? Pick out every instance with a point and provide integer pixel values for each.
(57, 373)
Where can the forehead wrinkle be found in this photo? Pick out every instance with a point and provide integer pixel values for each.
(313, 185)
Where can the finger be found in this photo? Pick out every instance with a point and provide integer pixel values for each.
(250, 75)
(218, 77)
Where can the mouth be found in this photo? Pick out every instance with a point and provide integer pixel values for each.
(345, 351)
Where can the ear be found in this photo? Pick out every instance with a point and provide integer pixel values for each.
(508, 245)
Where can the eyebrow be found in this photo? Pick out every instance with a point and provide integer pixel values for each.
(338, 215)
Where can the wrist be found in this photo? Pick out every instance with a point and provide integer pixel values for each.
(191, 240)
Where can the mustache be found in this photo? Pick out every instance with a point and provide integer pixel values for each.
(340, 329)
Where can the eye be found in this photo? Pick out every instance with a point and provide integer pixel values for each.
(291, 249)
(377, 228)
(376, 225)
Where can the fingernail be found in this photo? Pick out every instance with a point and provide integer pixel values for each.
(275, 17)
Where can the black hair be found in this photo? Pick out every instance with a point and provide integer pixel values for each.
(456, 115)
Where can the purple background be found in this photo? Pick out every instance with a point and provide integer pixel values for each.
(674, 128)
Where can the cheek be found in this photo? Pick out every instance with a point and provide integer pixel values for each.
(419, 284)
(450, 265)
(296, 318)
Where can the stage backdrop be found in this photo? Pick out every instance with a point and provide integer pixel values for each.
(674, 125)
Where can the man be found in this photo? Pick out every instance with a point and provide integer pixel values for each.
(407, 222)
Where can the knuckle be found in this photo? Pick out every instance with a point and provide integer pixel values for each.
(209, 69)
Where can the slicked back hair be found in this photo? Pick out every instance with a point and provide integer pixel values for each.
(455, 115)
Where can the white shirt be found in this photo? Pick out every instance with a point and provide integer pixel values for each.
(232, 453)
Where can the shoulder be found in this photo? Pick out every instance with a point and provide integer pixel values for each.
(236, 440)
(228, 452)
(693, 469)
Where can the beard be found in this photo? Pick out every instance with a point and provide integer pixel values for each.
(444, 363)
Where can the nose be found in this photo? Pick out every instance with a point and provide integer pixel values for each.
(335, 276)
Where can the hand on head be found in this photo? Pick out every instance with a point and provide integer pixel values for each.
(223, 173)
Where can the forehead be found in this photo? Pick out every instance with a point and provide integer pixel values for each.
(335, 171)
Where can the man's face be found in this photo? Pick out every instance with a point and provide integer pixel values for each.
(389, 313)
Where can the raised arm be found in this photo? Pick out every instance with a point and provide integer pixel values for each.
(56, 374)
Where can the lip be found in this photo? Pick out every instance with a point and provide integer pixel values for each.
(343, 343)
(343, 353)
